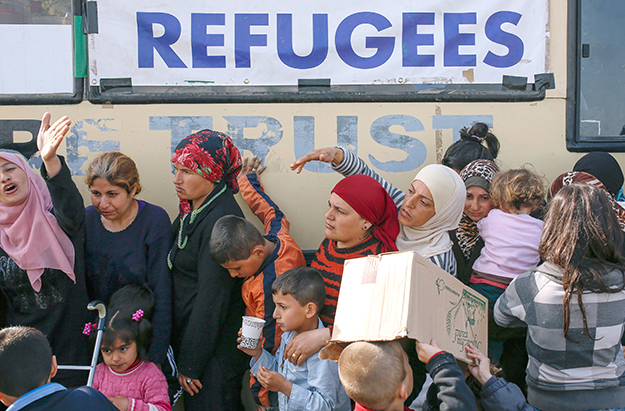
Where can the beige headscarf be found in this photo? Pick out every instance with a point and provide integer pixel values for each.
(449, 194)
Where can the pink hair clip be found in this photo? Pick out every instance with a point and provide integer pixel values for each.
(478, 138)
(88, 328)
(138, 315)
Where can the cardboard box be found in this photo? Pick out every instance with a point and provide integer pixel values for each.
(403, 294)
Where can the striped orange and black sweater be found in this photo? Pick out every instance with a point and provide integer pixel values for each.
(329, 261)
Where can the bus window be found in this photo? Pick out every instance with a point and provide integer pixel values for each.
(599, 117)
(37, 52)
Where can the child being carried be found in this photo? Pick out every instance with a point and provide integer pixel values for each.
(511, 236)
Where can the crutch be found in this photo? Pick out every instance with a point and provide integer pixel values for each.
(101, 308)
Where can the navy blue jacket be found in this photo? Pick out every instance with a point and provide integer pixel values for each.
(55, 397)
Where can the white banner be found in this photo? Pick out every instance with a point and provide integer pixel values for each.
(240, 42)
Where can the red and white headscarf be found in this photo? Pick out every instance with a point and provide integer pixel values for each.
(212, 155)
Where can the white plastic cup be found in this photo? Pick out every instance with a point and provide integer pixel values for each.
(251, 330)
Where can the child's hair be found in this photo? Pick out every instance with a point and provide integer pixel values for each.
(470, 147)
(129, 318)
(305, 284)
(517, 188)
(371, 372)
(233, 239)
(582, 236)
(117, 168)
(25, 360)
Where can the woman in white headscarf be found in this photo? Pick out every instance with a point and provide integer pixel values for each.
(431, 207)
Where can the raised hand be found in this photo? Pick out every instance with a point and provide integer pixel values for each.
(326, 154)
(252, 166)
(48, 140)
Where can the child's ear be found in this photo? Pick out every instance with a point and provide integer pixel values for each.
(54, 368)
(402, 391)
(258, 251)
(311, 310)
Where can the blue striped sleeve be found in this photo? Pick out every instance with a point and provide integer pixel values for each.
(352, 165)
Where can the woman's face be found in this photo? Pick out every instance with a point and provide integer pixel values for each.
(191, 186)
(343, 224)
(111, 201)
(478, 203)
(418, 207)
(14, 186)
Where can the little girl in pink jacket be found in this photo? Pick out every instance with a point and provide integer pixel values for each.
(129, 381)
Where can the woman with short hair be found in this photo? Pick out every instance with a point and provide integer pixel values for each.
(127, 241)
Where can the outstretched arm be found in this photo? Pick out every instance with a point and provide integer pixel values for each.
(326, 154)
(452, 388)
(347, 164)
(352, 164)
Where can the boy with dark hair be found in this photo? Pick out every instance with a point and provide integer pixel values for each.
(26, 368)
(240, 248)
(298, 296)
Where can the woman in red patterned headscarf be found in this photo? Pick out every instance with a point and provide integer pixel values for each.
(207, 300)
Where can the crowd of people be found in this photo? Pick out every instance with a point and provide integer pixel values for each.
(551, 268)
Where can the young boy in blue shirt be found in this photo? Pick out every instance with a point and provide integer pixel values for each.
(298, 295)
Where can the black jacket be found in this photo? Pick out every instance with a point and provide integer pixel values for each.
(207, 301)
